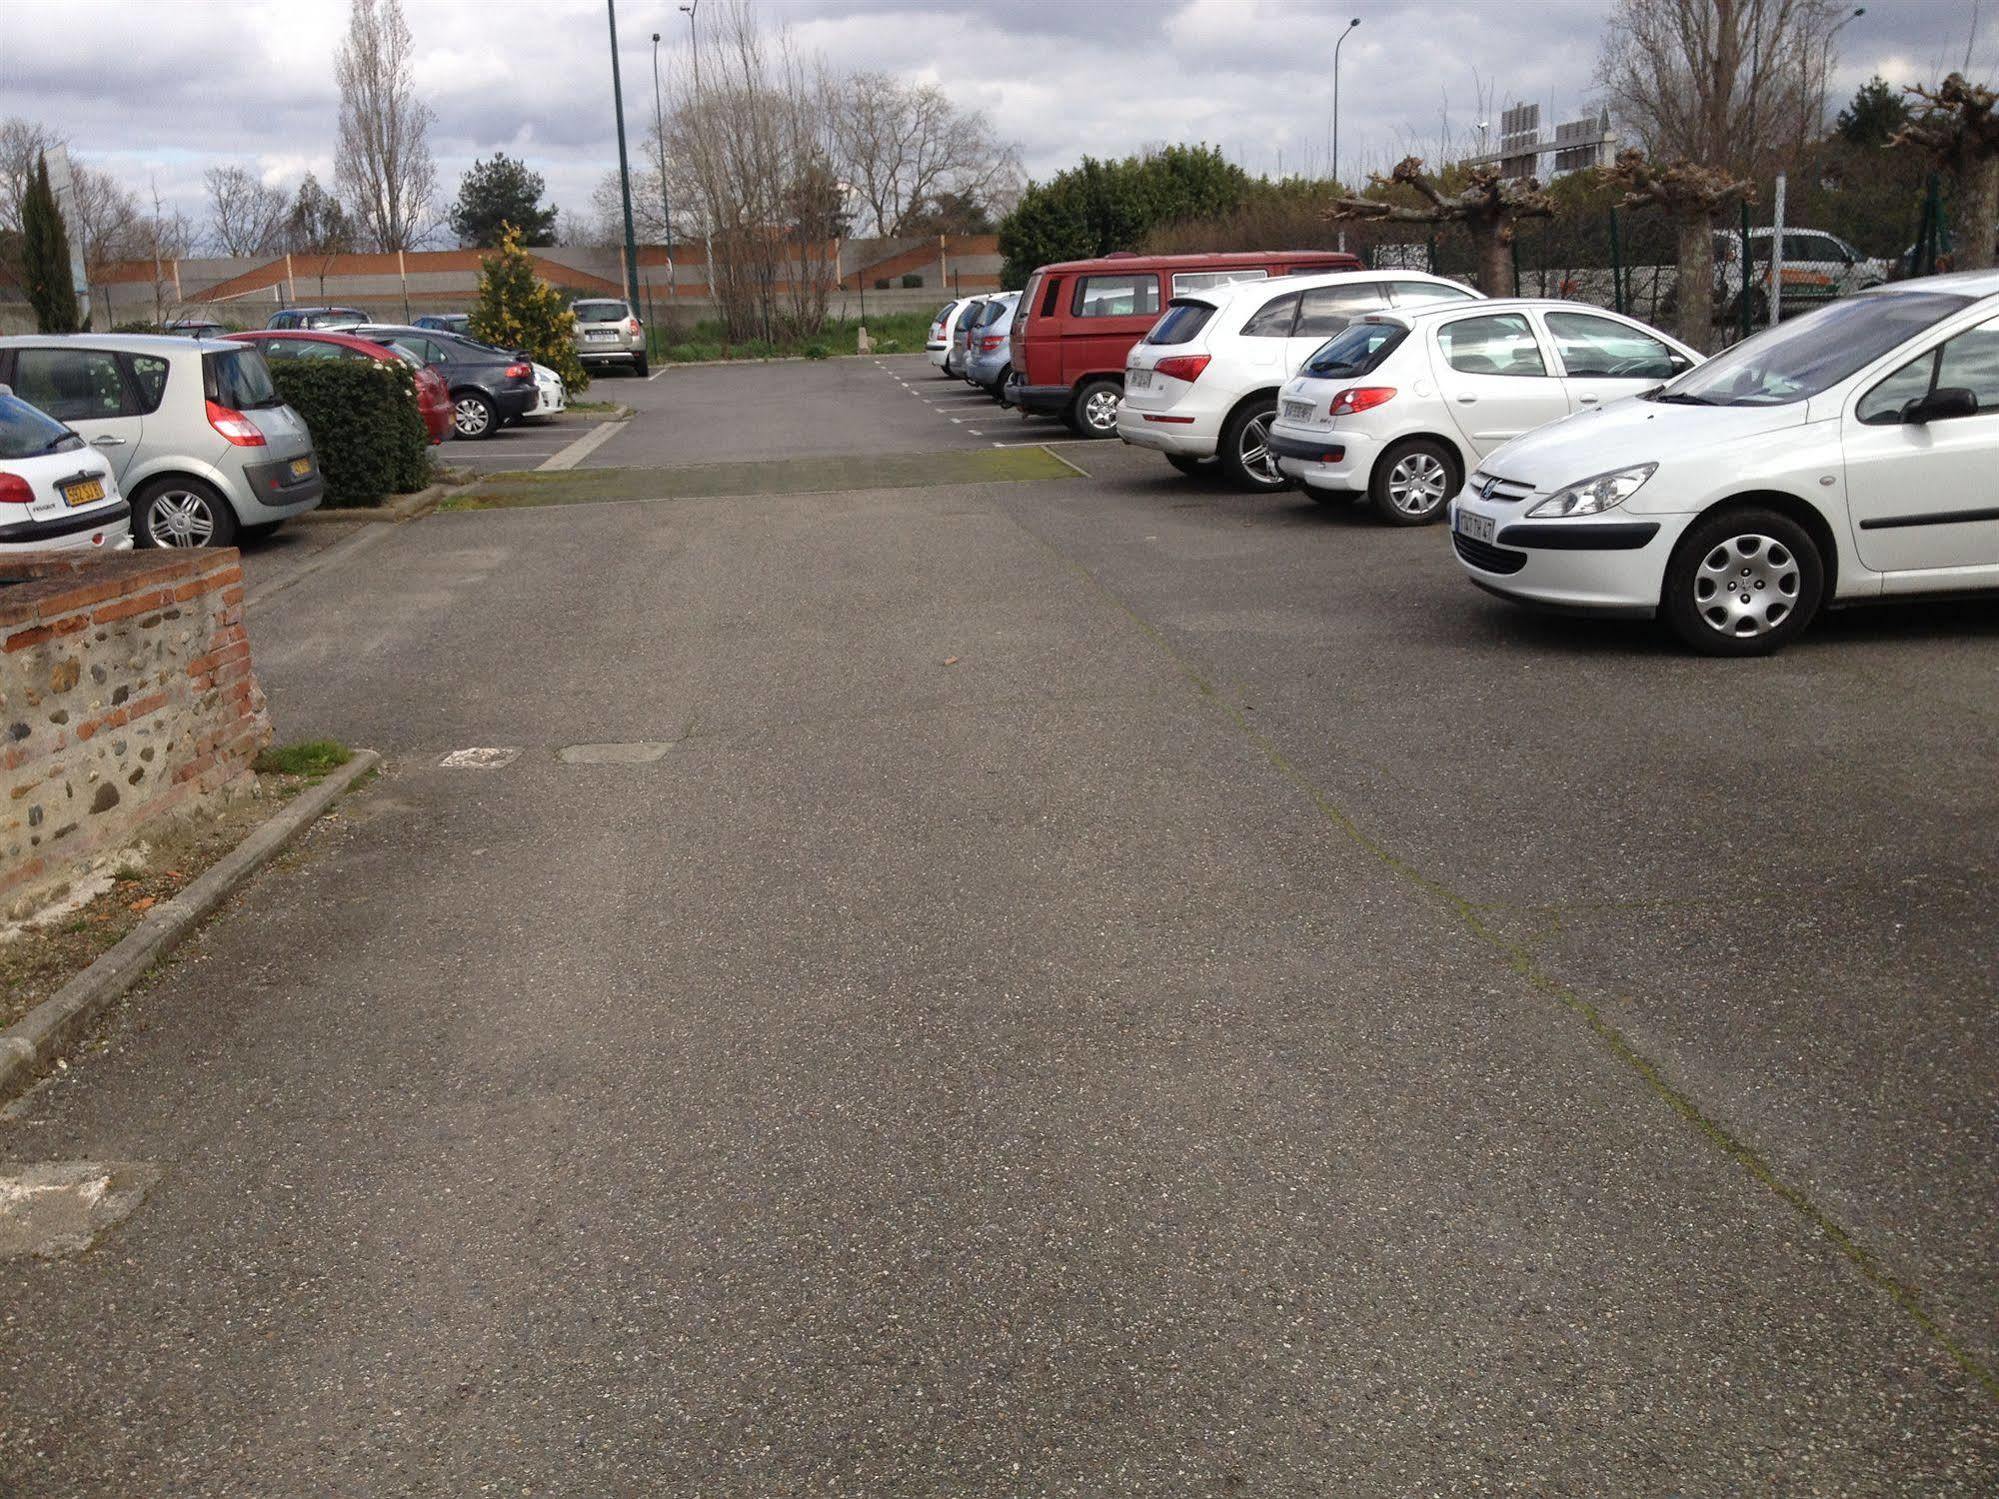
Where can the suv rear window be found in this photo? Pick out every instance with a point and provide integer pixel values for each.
(601, 312)
(1182, 321)
(239, 380)
(1357, 350)
(25, 432)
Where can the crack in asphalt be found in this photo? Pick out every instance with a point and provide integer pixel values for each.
(1522, 960)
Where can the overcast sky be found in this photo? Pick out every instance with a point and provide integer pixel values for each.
(158, 93)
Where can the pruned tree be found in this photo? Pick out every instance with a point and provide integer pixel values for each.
(1956, 125)
(382, 161)
(901, 145)
(246, 217)
(1693, 197)
(1488, 205)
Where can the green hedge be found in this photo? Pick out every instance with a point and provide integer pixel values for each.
(365, 426)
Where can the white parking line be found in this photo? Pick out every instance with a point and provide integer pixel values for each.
(580, 449)
(1047, 442)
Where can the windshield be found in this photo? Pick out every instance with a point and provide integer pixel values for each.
(26, 432)
(600, 312)
(1795, 361)
(240, 380)
(1357, 349)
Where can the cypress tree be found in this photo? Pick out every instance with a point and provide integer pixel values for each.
(45, 256)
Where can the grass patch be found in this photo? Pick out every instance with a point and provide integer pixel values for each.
(768, 477)
(313, 757)
(708, 340)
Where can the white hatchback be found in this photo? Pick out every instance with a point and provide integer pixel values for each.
(1850, 455)
(56, 493)
(1400, 407)
(1203, 382)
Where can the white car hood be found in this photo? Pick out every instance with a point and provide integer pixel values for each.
(1630, 432)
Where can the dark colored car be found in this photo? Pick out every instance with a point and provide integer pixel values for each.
(1076, 322)
(318, 317)
(446, 322)
(489, 387)
(433, 399)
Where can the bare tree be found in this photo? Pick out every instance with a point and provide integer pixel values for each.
(901, 145)
(382, 162)
(108, 225)
(246, 217)
(605, 228)
(22, 144)
(1723, 83)
(1488, 205)
(1957, 126)
(1693, 197)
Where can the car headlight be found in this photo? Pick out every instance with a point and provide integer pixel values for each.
(1594, 496)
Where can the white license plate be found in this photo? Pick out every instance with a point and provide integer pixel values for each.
(1477, 527)
(1138, 379)
(599, 335)
(1299, 411)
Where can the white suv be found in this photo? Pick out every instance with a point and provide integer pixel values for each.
(1203, 382)
(1850, 455)
(1403, 405)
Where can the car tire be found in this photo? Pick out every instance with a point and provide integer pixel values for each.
(473, 417)
(1093, 412)
(1244, 450)
(640, 367)
(1413, 482)
(1187, 463)
(1742, 582)
(997, 390)
(186, 513)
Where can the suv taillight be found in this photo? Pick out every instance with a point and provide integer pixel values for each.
(632, 327)
(1359, 398)
(234, 426)
(1186, 367)
(14, 490)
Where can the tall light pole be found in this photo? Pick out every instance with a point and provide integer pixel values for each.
(1825, 62)
(665, 201)
(694, 39)
(624, 167)
(693, 11)
(1336, 111)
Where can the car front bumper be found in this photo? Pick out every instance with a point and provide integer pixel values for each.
(1333, 459)
(1610, 565)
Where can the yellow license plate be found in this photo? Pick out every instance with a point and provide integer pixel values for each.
(301, 467)
(84, 492)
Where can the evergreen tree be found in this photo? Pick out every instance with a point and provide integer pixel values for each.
(1101, 206)
(45, 257)
(516, 309)
(317, 224)
(497, 193)
(1876, 113)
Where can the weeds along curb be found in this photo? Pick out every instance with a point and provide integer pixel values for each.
(32, 1044)
(396, 508)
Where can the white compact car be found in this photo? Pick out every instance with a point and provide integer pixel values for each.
(551, 393)
(1847, 456)
(1203, 382)
(938, 344)
(56, 492)
(1400, 407)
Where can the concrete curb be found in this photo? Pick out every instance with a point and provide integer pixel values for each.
(394, 511)
(31, 1045)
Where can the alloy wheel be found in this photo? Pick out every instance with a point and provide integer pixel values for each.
(1746, 586)
(471, 417)
(1100, 410)
(180, 518)
(1418, 483)
(1253, 448)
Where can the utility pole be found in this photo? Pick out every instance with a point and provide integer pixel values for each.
(624, 166)
(665, 198)
(1336, 113)
(693, 14)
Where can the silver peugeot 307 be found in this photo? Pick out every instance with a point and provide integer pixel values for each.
(196, 435)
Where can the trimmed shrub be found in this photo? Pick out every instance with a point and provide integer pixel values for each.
(365, 426)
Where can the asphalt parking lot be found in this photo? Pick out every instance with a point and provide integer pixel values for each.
(1099, 984)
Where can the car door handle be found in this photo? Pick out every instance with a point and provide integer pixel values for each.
(1589, 400)
(1467, 399)
(107, 441)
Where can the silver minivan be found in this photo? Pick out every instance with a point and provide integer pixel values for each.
(195, 433)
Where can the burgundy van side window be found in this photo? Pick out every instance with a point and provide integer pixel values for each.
(1054, 291)
(1117, 296)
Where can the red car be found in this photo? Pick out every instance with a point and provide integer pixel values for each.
(433, 397)
(1076, 322)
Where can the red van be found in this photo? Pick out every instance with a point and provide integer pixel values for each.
(1077, 321)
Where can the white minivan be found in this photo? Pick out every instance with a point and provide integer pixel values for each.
(1202, 383)
(1847, 456)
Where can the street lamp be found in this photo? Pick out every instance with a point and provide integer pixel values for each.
(694, 39)
(659, 136)
(1825, 62)
(1336, 111)
(624, 166)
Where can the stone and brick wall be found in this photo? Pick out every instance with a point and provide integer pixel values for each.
(126, 697)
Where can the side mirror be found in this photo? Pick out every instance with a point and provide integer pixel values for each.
(1941, 404)
(1680, 363)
